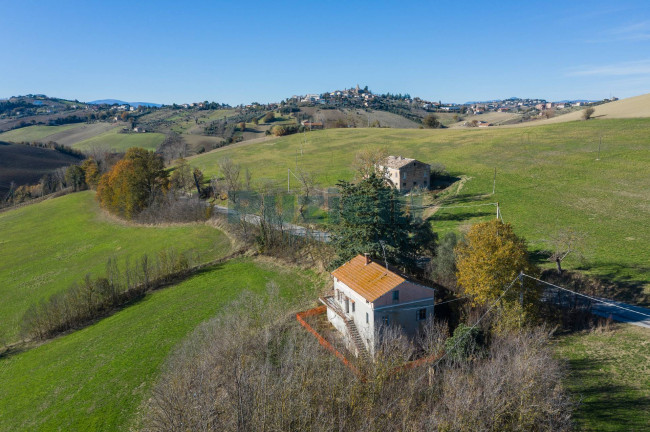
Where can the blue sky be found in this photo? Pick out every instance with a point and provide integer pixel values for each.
(240, 52)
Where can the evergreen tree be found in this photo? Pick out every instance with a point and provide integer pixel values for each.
(370, 213)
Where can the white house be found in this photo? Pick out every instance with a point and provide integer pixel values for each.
(367, 296)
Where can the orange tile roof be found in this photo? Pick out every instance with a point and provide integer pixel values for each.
(371, 281)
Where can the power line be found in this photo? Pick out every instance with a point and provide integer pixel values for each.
(366, 427)
(589, 297)
(424, 306)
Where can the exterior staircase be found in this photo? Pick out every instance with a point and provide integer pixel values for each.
(356, 339)
(353, 332)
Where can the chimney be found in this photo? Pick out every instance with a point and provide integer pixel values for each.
(367, 258)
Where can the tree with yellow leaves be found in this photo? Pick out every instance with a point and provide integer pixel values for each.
(489, 258)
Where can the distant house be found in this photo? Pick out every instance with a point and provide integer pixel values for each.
(405, 173)
(312, 125)
(484, 124)
(139, 129)
(368, 296)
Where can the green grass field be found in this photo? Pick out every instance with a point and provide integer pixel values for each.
(548, 179)
(96, 378)
(45, 247)
(610, 374)
(35, 133)
(116, 141)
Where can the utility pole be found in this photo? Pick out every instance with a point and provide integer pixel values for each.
(600, 142)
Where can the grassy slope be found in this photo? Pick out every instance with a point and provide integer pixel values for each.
(610, 373)
(47, 246)
(117, 141)
(35, 133)
(547, 178)
(96, 378)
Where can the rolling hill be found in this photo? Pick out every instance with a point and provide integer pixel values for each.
(96, 378)
(80, 238)
(633, 107)
(548, 178)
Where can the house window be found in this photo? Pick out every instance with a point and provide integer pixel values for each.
(367, 318)
(396, 295)
(415, 183)
(404, 175)
(421, 315)
(384, 320)
(425, 182)
(353, 307)
(404, 184)
(347, 305)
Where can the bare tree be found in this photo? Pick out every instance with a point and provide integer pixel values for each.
(231, 172)
(307, 188)
(367, 161)
(565, 242)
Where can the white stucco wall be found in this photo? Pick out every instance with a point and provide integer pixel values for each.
(361, 308)
(412, 297)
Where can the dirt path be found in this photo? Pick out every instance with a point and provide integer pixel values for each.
(458, 185)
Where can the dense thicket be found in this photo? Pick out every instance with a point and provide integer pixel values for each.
(255, 369)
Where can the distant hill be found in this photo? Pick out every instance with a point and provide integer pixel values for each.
(120, 102)
(632, 107)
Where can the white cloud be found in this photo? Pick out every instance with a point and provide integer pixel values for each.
(631, 68)
(632, 32)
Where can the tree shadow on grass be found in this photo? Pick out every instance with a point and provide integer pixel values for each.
(462, 216)
(443, 182)
(605, 404)
(617, 283)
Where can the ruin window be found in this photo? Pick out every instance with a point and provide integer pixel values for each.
(404, 175)
(384, 320)
(396, 295)
(421, 315)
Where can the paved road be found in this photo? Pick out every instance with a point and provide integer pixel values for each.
(296, 230)
(634, 315)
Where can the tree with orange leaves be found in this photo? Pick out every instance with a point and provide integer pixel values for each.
(134, 183)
